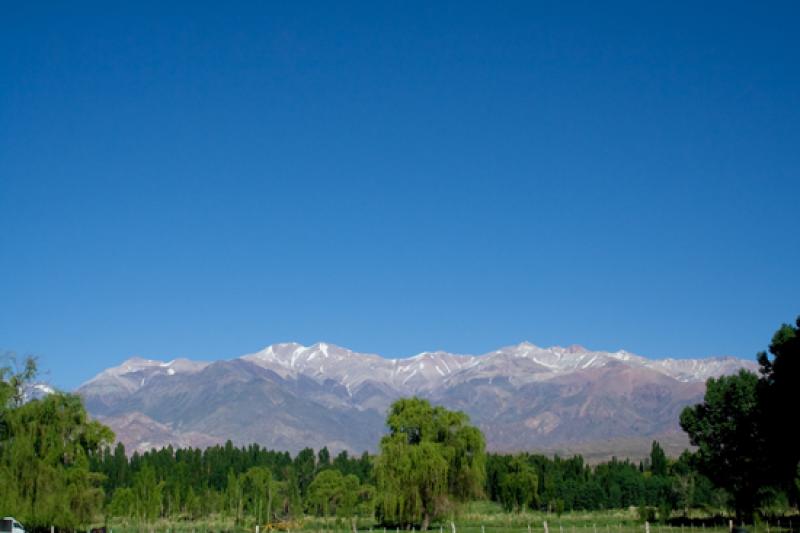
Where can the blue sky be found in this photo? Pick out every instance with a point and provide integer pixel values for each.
(202, 180)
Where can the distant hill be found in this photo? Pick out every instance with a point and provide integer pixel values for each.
(289, 396)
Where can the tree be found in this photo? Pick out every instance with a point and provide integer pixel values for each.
(123, 503)
(658, 460)
(46, 447)
(727, 432)
(332, 493)
(684, 482)
(779, 389)
(323, 492)
(323, 458)
(430, 456)
(290, 503)
(147, 492)
(305, 467)
(519, 485)
(258, 489)
(741, 427)
(233, 496)
(13, 382)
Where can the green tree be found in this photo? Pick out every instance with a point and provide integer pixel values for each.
(325, 493)
(234, 496)
(779, 386)
(727, 432)
(658, 460)
(519, 486)
(258, 489)
(323, 458)
(192, 505)
(290, 501)
(123, 503)
(305, 468)
(684, 482)
(430, 456)
(148, 493)
(46, 447)
(332, 493)
(14, 381)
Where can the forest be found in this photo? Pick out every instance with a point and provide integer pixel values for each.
(60, 468)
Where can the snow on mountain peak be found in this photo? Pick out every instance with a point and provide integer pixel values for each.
(133, 372)
(523, 362)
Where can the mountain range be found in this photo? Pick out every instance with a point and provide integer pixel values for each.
(289, 396)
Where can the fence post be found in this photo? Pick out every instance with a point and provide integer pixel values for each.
(529, 527)
(546, 529)
(453, 525)
(646, 526)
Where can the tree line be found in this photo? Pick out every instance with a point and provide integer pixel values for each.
(243, 483)
(58, 467)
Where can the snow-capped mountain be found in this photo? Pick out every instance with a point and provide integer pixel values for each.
(37, 390)
(351, 369)
(289, 396)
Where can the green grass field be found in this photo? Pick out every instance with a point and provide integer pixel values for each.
(481, 517)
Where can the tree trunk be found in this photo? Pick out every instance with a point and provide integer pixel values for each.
(426, 521)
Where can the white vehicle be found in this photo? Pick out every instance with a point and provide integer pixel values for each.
(11, 525)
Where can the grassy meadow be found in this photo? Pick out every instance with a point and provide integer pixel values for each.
(484, 517)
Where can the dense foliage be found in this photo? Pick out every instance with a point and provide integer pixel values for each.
(557, 485)
(430, 458)
(740, 428)
(46, 446)
(248, 484)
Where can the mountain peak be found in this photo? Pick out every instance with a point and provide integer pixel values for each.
(522, 395)
(137, 363)
(575, 348)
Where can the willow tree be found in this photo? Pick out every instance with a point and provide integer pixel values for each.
(45, 449)
(431, 458)
(518, 485)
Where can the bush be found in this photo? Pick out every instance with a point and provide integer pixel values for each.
(647, 513)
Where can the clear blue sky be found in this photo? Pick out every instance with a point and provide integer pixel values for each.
(203, 179)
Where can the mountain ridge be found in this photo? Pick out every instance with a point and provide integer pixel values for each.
(289, 396)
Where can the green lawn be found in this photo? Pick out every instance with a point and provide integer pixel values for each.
(479, 517)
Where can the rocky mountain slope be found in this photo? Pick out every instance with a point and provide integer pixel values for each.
(289, 396)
